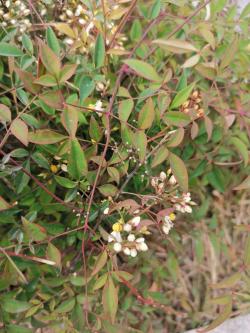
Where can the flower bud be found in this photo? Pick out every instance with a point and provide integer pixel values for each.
(133, 253)
(126, 251)
(131, 238)
(117, 247)
(127, 227)
(163, 176)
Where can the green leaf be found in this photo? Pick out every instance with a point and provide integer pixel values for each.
(15, 306)
(241, 147)
(176, 138)
(28, 81)
(136, 30)
(65, 182)
(69, 118)
(86, 86)
(18, 329)
(160, 156)
(244, 185)
(110, 300)
(176, 118)
(140, 143)
(66, 306)
(45, 137)
(143, 69)
(125, 108)
(100, 262)
(78, 281)
(156, 8)
(146, 115)
(100, 282)
(77, 166)
(66, 72)
(176, 45)
(4, 204)
(191, 62)
(49, 59)
(5, 113)
(54, 254)
(10, 50)
(95, 131)
(179, 170)
(228, 282)
(54, 99)
(182, 96)
(108, 190)
(22, 179)
(229, 54)
(52, 41)
(114, 174)
(46, 80)
(99, 51)
(34, 231)
(224, 315)
(27, 43)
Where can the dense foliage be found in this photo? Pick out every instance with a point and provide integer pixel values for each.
(122, 122)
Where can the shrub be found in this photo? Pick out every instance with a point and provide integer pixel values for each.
(104, 132)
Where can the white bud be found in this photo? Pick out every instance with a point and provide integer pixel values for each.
(127, 227)
(133, 253)
(81, 21)
(117, 247)
(64, 167)
(188, 209)
(172, 180)
(126, 251)
(131, 238)
(69, 41)
(140, 240)
(163, 176)
(69, 12)
(136, 220)
(106, 211)
(142, 247)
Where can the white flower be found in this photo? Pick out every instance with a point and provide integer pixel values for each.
(81, 21)
(100, 86)
(167, 226)
(69, 13)
(172, 180)
(187, 197)
(64, 167)
(131, 238)
(98, 106)
(69, 41)
(133, 253)
(127, 251)
(136, 220)
(115, 236)
(140, 240)
(163, 176)
(117, 247)
(188, 209)
(142, 247)
(89, 27)
(106, 211)
(127, 227)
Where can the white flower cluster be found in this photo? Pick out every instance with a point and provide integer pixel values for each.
(130, 244)
(168, 223)
(17, 14)
(160, 183)
(184, 203)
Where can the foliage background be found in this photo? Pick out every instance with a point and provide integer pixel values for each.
(50, 120)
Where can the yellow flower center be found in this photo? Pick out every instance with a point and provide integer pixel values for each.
(53, 168)
(172, 216)
(117, 227)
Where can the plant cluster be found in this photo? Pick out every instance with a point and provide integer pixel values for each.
(118, 122)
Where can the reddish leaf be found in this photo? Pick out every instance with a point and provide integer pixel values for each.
(20, 130)
(54, 99)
